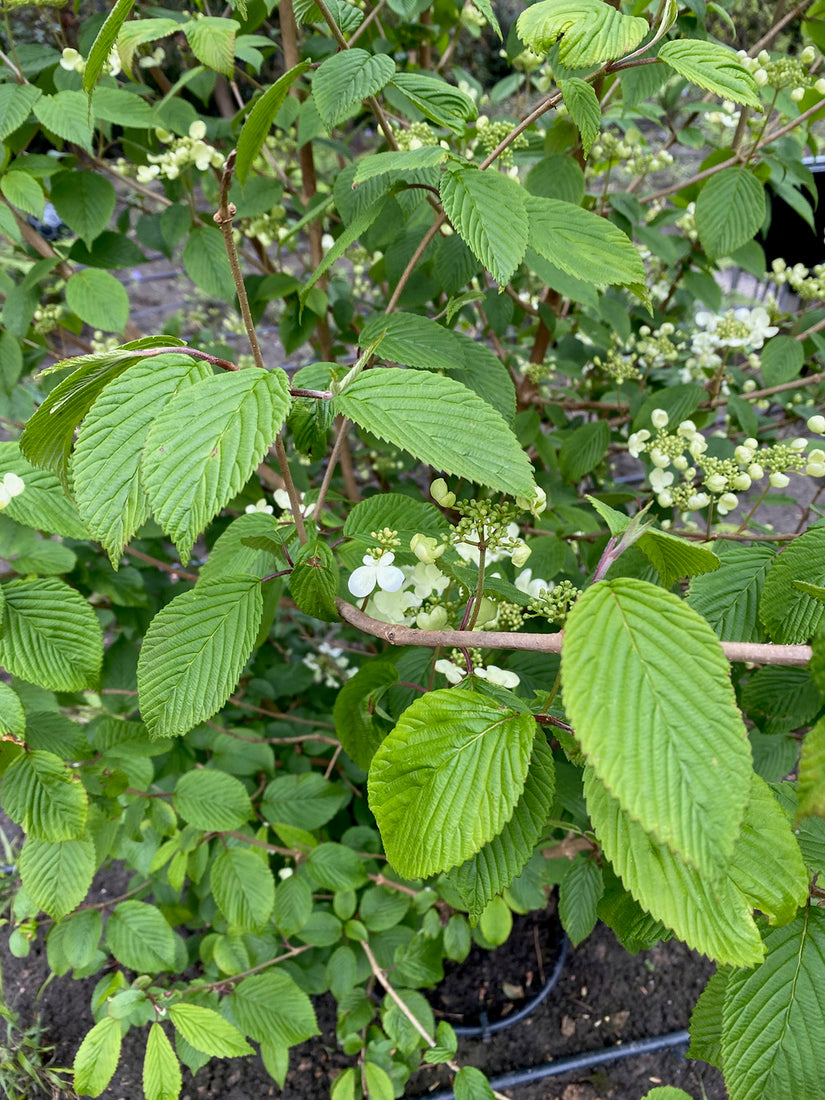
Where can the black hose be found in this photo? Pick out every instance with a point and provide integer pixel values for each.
(485, 1029)
(574, 1062)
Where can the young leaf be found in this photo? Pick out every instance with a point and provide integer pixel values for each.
(212, 39)
(471, 1084)
(434, 98)
(584, 107)
(42, 796)
(97, 1058)
(105, 40)
(729, 596)
(488, 211)
(207, 1031)
(106, 463)
(811, 788)
(669, 757)
(189, 476)
(590, 30)
(139, 937)
(579, 894)
(447, 779)
(674, 557)
(161, 1069)
(442, 423)
(211, 799)
(244, 889)
(194, 652)
(346, 78)
(271, 1006)
(313, 582)
(57, 875)
(789, 614)
(98, 299)
(260, 119)
(713, 67)
(379, 1082)
(773, 1041)
(730, 211)
(51, 636)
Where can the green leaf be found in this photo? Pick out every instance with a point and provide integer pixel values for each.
(106, 464)
(43, 504)
(730, 211)
(773, 1039)
(674, 557)
(706, 1021)
(105, 40)
(206, 264)
(50, 635)
(591, 31)
(471, 1084)
(667, 1092)
(493, 869)
(486, 9)
(194, 652)
(57, 875)
(139, 937)
(582, 243)
(307, 801)
(811, 787)
(16, 102)
(190, 476)
(670, 757)
(293, 905)
(781, 360)
(125, 109)
(399, 1027)
(579, 894)
(313, 583)
(790, 615)
(413, 340)
(208, 1032)
(141, 31)
(212, 800)
(97, 1058)
(162, 1078)
(357, 725)
(711, 916)
(260, 118)
(335, 867)
(244, 888)
(713, 67)
(584, 449)
(382, 908)
(442, 423)
(345, 79)
(584, 107)
(44, 798)
(78, 937)
(729, 597)
(556, 177)
(489, 213)
(398, 163)
(12, 717)
(49, 434)
(212, 39)
(355, 229)
(85, 201)
(99, 299)
(270, 1006)
(447, 779)
(24, 192)
(379, 1082)
(435, 99)
(66, 115)
(46, 559)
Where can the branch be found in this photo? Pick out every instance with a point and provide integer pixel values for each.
(757, 652)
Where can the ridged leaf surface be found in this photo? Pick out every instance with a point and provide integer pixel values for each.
(489, 213)
(582, 243)
(713, 67)
(57, 875)
(730, 210)
(591, 31)
(790, 614)
(344, 79)
(729, 597)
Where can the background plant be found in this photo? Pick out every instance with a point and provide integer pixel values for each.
(308, 690)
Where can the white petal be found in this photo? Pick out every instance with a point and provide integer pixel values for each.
(389, 577)
(362, 581)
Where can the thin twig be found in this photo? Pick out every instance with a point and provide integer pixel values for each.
(173, 570)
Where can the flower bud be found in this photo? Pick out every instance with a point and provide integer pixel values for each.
(779, 480)
(755, 471)
(726, 503)
(432, 620)
(717, 483)
(808, 55)
(441, 494)
(426, 548)
(520, 555)
(797, 95)
(535, 504)
(659, 418)
(820, 85)
(816, 424)
(741, 483)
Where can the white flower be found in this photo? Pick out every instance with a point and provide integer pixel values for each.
(659, 418)
(260, 506)
(726, 503)
(535, 504)
(742, 482)
(660, 479)
(686, 428)
(11, 486)
(432, 620)
(798, 94)
(717, 483)
(440, 494)
(779, 480)
(426, 548)
(376, 571)
(281, 498)
(197, 131)
(520, 554)
(427, 578)
(392, 607)
(659, 458)
(636, 442)
(698, 501)
(72, 61)
(531, 586)
(495, 675)
(453, 673)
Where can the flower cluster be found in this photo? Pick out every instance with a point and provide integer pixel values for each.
(329, 665)
(809, 284)
(783, 73)
(455, 670)
(554, 602)
(73, 61)
(11, 486)
(492, 133)
(182, 152)
(742, 328)
(417, 135)
(46, 318)
(628, 152)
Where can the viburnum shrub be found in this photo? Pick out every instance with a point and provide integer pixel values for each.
(426, 562)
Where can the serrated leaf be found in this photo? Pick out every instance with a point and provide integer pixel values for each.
(729, 597)
(139, 937)
(271, 1006)
(43, 504)
(674, 557)
(44, 798)
(307, 801)
(713, 67)
(446, 780)
(669, 757)
(105, 40)
(435, 99)
(773, 1039)
(50, 636)
(140, 31)
(162, 1078)
(486, 9)
(413, 340)
(85, 201)
(127, 109)
(260, 118)
(706, 1021)
(489, 212)
(492, 870)
(379, 1082)
(194, 652)
(48, 436)
(98, 298)
(667, 1092)
(780, 360)
(471, 1084)
(398, 163)
(335, 867)
(584, 449)
(293, 905)
(313, 582)
(711, 917)
(244, 889)
(45, 558)
(16, 102)
(106, 461)
(12, 716)
(579, 894)
(730, 211)
(442, 423)
(212, 799)
(345, 79)
(354, 229)
(212, 39)
(66, 115)
(206, 264)
(97, 1058)
(77, 937)
(790, 615)
(207, 1031)
(189, 476)
(583, 104)
(24, 192)
(357, 726)
(811, 787)
(591, 31)
(57, 875)
(582, 243)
